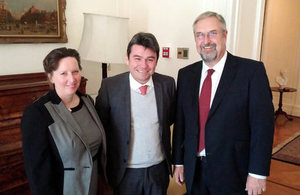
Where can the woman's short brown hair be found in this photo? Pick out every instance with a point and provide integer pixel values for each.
(51, 61)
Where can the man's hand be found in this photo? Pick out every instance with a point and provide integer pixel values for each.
(255, 186)
(179, 175)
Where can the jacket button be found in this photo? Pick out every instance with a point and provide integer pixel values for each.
(124, 160)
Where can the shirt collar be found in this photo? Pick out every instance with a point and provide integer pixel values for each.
(217, 67)
(136, 85)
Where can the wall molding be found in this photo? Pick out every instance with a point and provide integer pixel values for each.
(239, 25)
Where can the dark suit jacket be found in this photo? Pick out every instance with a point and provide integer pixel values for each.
(113, 107)
(239, 128)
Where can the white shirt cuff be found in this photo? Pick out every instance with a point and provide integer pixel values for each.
(257, 176)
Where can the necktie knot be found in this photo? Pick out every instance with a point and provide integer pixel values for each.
(210, 72)
(143, 89)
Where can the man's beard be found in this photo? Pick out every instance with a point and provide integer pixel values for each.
(211, 57)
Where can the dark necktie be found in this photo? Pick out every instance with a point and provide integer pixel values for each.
(204, 105)
(143, 89)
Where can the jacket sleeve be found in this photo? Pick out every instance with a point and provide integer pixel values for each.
(102, 105)
(261, 118)
(179, 126)
(40, 163)
(173, 102)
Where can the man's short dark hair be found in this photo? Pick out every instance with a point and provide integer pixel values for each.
(147, 40)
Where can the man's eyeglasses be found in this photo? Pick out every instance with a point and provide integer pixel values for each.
(211, 34)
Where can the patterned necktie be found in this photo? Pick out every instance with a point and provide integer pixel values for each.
(204, 106)
(143, 89)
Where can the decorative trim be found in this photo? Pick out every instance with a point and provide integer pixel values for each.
(279, 146)
(257, 40)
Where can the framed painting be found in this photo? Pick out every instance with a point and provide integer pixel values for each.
(32, 21)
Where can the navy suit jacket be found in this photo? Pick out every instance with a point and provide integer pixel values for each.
(239, 128)
(113, 107)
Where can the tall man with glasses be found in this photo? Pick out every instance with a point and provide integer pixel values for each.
(223, 130)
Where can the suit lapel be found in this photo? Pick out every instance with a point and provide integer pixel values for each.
(91, 110)
(159, 97)
(192, 86)
(89, 104)
(227, 77)
(195, 82)
(68, 119)
(191, 90)
(124, 95)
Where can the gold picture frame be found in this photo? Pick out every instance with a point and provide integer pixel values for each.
(33, 21)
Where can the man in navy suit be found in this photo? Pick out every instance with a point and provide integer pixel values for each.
(137, 109)
(238, 130)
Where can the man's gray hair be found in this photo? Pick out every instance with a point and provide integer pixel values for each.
(211, 14)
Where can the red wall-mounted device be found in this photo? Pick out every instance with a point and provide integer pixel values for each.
(165, 52)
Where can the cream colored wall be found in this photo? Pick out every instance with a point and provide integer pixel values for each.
(281, 48)
(246, 33)
(170, 21)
